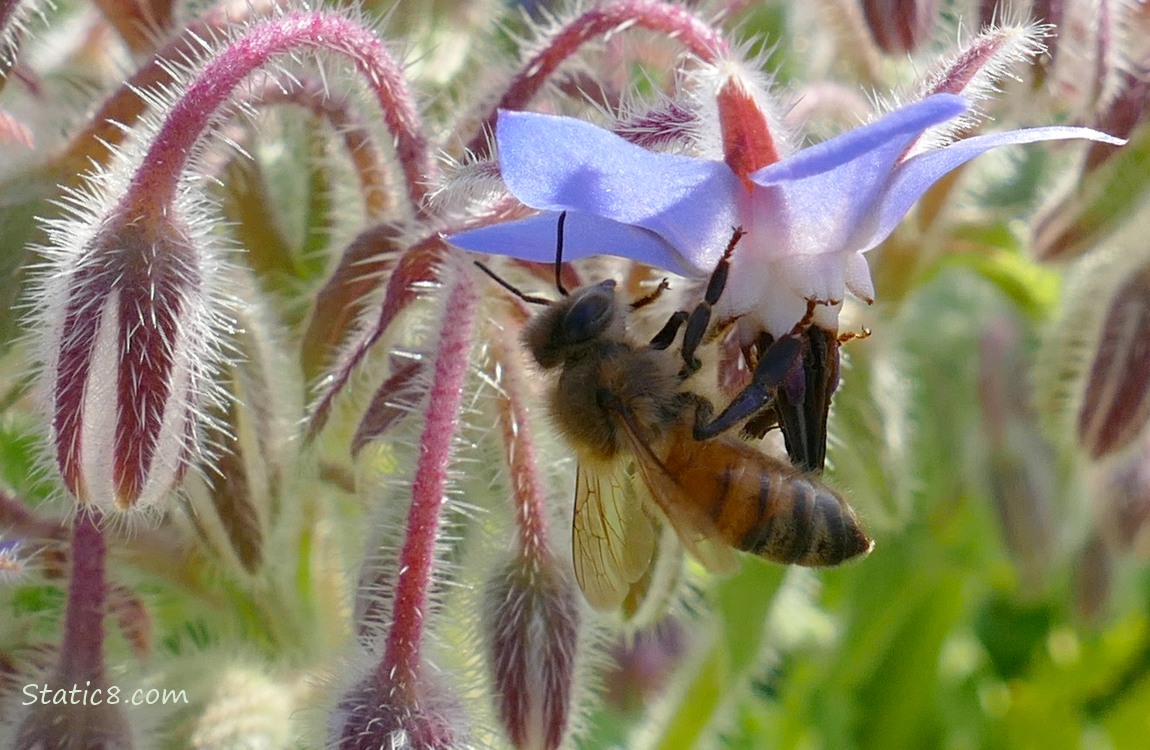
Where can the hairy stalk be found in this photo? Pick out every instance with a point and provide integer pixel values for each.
(140, 23)
(82, 652)
(519, 444)
(344, 119)
(111, 123)
(403, 653)
(673, 20)
(156, 181)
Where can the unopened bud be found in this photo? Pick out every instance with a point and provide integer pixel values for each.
(247, 709)
(1122, 503)
(900, 26)
(1020, 467)
(1121, 114)
(1116, 403)
(1085, 51)
(666, 127)
(1021, 486)
(127, 361)
(645, 662)
(531, 618)
(976, 72)
(56, 723)
(374, 715)
(395, 398)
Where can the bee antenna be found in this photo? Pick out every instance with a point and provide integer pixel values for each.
(559, 253)
(528, 298)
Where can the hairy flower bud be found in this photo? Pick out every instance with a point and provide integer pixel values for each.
(1116, 403)
(1122, 503)
(58, 723)
(900, 25)
(373, 715)
(247, 709)
(644, 663)
(1020, 465)
(531, 622)
(127, 357)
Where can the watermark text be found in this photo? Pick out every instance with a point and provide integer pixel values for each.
(89, 695)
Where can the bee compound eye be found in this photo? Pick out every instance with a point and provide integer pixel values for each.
(590, 314)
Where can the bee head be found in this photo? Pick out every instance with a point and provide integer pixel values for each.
(574, 324)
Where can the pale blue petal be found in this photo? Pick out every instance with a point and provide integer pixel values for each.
(560, 163)
(534, 238)
(821, 197)
(915, 176)
(881, 136)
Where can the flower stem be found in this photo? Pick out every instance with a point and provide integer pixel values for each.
(111, 122)
(138, 22)
(673, 20)
(966, 67)
(194, 113)
(82, 652)
(528, 490)
(366, 160)
(402, 654)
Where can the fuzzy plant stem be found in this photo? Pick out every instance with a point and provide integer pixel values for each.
(109, 125)
(403, 651)
(82, 652)
(972, 61)
(156, 181)
(528, 489)
(673, 20)
(366, 160)
(138, 22)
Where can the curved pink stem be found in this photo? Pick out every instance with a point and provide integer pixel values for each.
(157, 178)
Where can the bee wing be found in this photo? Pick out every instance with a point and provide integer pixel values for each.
(612, 539)
(696, 530)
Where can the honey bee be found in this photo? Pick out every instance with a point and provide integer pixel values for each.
(623, 408)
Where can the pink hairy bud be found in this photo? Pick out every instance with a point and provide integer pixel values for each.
(900, 25)
(1116, 402)
(94, 727)
(531, 618)
(126, 363)
(374, 715)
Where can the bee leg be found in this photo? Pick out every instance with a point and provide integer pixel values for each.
(759, 425)
(700, 318)
(704, 410)
(773, 367)
(647, 299)
(665, 337)
(803, 402)
(854, 335)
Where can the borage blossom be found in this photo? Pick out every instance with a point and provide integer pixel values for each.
(809, 218)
